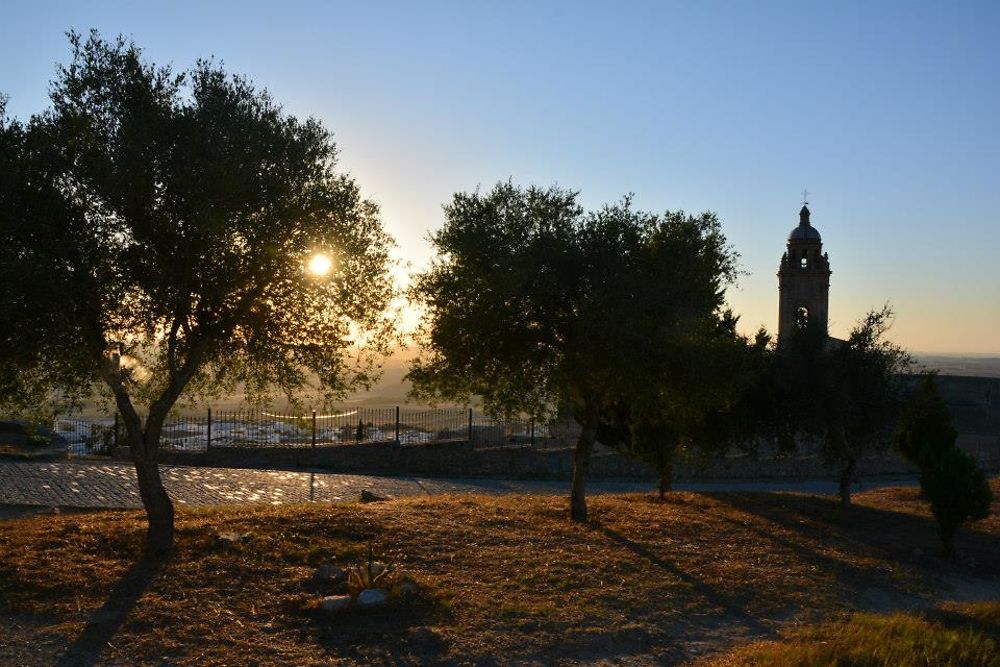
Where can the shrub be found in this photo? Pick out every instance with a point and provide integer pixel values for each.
(958, 492)
(948, 476)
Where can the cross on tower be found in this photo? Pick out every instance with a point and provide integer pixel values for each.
(805, 197)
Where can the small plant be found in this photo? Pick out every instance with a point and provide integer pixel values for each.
(370, 574)
(359, 434)
(958, 491)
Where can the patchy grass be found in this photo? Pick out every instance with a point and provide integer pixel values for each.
(509, 579)
(950, 636)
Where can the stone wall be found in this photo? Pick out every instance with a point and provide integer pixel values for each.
(462, 459)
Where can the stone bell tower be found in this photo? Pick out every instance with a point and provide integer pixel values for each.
(803, 279)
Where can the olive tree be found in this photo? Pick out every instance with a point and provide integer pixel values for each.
(844, 394)
(532, 304)
(157, 228)
(683, 399)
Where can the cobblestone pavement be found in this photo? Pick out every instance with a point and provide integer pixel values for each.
(113, 485)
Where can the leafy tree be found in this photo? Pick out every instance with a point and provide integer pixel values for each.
(958, 491)
(679, 398)
(845, 394)
(532, 304)
(156, 228)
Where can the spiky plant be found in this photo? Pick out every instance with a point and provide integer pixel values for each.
(370, 574)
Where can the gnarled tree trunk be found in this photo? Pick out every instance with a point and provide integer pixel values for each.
(581, 465)
(159, 508)
(144, 443)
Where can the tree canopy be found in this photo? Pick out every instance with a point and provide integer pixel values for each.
(844, 394)
(156, 229)
(532, 304)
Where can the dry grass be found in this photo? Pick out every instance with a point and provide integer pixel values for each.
(509, 579)
(955, 635)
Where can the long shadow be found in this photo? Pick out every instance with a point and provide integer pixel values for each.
(106, 621)
(886, 534)
(714, 597)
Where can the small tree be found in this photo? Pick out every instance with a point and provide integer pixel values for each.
(845, 394)
(679, 399)
(957, 490)
(531, 304)
(156, 229)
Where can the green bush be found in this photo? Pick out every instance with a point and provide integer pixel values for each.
(958, 492)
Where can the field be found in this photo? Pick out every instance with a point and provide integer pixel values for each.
(504, 580)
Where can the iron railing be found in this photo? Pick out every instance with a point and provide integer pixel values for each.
(273, 428)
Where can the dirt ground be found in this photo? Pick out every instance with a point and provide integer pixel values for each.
(504, 580)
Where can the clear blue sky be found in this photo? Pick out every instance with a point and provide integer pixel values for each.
(889, 112)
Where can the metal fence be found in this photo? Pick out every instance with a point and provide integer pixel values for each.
(269, 428)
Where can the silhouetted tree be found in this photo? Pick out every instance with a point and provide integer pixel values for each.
(532, 304)
(679, 398)
(846, 394)
(957, 490)
(155, 230)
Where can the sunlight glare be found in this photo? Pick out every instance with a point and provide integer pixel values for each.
(320, 264)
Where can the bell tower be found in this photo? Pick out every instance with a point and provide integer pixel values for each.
(803, 279)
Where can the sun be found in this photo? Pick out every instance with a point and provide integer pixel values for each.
(320, 264)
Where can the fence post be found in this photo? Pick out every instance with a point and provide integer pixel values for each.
(470, 425)
(115, 438)
(532, 431)
(208, 433)
(397, 424)
(314, 429)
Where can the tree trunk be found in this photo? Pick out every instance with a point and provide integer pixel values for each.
(581, 464)
(666, 479)
(159, 508)
(846, 479)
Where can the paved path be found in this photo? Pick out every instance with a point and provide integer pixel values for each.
(112, 485)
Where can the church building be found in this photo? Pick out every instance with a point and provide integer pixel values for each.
(803, 279)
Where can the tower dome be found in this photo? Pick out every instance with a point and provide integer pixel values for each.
(805, 231)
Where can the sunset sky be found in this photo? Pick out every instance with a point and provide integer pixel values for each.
(887, 112)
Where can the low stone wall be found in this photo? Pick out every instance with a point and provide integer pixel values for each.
(464, 459)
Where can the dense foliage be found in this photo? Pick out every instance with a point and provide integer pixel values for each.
(155, 230)
(533, 304)
(843, 395)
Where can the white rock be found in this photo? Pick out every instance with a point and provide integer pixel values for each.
(335, 602)
(372, 597)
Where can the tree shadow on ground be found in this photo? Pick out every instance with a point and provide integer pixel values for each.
(105, 622)
(890, 536)
(732, 606)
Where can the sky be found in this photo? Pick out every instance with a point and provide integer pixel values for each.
(887, 112)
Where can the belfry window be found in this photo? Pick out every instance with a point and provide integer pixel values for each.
(804, 262)
(801, 317)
